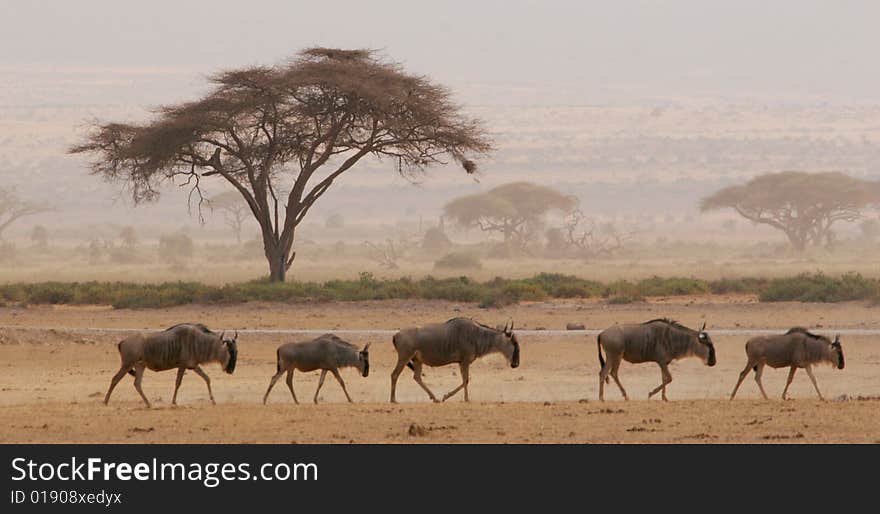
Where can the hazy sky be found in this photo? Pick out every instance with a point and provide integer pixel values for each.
(822, 50)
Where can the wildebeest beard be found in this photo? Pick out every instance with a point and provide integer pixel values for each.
(232, 348)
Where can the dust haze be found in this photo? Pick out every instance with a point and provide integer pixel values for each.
(638, 110)
(650, 159)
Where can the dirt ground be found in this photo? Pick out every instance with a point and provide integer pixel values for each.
(53, 375)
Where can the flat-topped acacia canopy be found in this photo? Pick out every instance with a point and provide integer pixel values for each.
(294, 127)
(802, 205)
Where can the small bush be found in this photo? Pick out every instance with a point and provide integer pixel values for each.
(458, 261)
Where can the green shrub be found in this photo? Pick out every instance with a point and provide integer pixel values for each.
(819, 287)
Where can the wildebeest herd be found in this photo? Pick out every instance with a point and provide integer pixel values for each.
(461, 341)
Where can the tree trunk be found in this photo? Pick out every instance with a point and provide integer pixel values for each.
(277, 264)
(798, 241)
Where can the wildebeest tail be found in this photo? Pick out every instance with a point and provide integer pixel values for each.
(131, 371)
(408, 364)
(601, 359)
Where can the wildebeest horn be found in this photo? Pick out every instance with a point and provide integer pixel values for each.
(837, 338)
(235, 337)
(703, 327)
(367, 347)
(221, 335)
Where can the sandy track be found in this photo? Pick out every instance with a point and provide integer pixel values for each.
(51, 382)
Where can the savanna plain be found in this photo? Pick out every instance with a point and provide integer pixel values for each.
(54, 371)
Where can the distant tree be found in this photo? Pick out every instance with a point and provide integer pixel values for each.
(235, 211)
(512, 210)
(802, 205)
(299, 126)
(435, 240)
(95, 252)
(870, 229)
(386, 254)
(128, 236)
(584, 239)
(555, 243)
(40, 237)
(335, 221)
(175, 248)
(13, 208)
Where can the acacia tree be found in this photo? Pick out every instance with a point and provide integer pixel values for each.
(802, 205)
(235, 211)
(509, 209)
(296, 127)
(581, 235)
(13, 208)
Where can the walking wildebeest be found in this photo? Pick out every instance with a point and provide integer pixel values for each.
(327, 353)
(797, 348)
(659, 340)
(458, 340)
(184, 346)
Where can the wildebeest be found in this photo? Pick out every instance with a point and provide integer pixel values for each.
(184, 346)
(327, 353)
(659, 340)
(458, 340)
(797, 348)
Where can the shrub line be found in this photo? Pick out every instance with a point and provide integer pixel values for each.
(806, 287)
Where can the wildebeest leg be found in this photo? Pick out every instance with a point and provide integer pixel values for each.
(614, 369)
(138, 376)
(342, 383)
(417, 376)
(742, 376)
(395, 374)
(666, 378)
(464, 383)
(758, 372)
(788, 382)
(115, 380)
(320, 383)
(204, 375)
(180, 372)
(272, 384)
(603, 377)
(290, 385)
(813, 379)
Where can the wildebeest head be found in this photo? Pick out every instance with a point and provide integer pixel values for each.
(704, 339)
(364, 360)
(838, 349)
(511, 348)
(231, 346)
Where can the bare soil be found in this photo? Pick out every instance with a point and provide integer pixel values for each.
(53, 376)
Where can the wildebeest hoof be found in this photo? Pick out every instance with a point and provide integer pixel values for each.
(435, 400)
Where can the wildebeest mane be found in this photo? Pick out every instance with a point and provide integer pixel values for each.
(200, 326)
(670, 322)
(336, 339)
(802, 330)
(475, 322)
